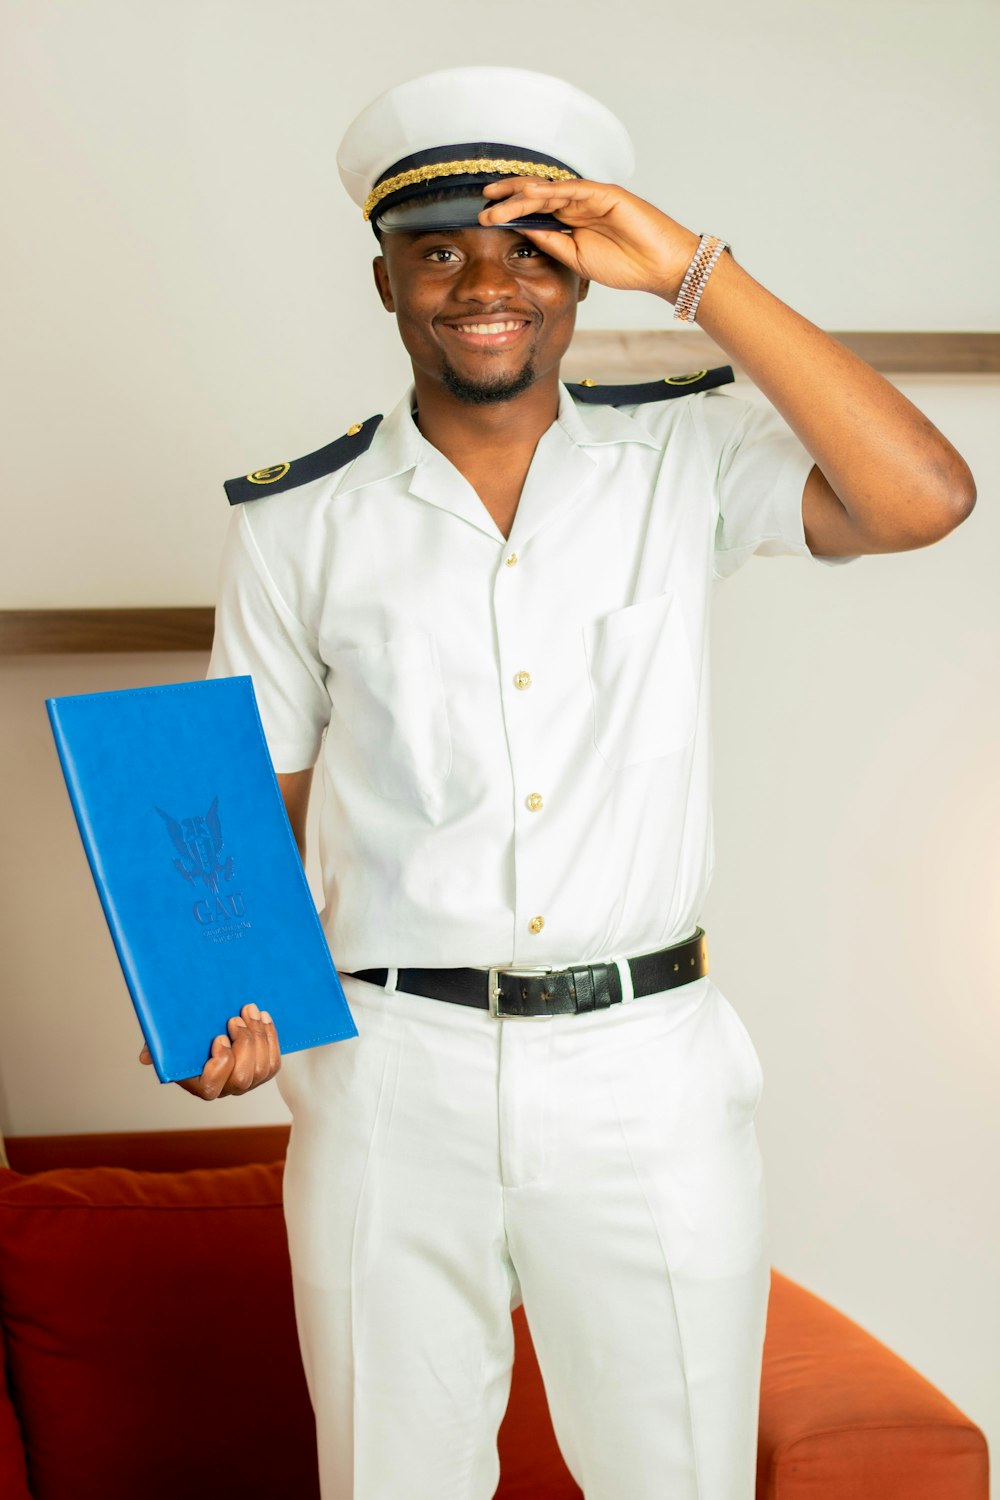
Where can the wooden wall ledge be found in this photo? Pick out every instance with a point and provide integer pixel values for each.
(609, 355)
(606, 355)
(32, 631)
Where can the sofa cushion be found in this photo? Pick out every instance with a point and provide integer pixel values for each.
(841, 1414)
(531, 1465)
(150, 1334)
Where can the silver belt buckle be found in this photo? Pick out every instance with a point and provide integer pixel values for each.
(504, 1015)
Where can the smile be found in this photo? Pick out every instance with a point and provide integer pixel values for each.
(489, 334)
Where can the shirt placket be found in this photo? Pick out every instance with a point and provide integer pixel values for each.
(526, 694)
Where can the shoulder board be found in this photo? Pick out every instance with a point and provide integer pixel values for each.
(590, 393)
(288, 476)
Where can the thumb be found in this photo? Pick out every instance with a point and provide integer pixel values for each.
(145, 1056)
(554, 242)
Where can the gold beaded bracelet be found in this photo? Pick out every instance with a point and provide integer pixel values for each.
(697, 274)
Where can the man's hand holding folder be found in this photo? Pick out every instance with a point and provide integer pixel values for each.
(235, 1066)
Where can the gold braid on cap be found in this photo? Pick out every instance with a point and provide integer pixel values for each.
(435, 169)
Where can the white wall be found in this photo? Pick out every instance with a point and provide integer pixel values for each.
(193, 299)
(194, 294)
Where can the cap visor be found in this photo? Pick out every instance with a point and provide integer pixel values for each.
(459, 212)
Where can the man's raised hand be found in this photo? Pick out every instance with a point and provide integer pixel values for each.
(247, 1057)
(618, 239)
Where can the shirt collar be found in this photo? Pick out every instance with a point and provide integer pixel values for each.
(397, 446)
(564, 460)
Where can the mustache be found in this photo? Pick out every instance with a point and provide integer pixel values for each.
(483, 314)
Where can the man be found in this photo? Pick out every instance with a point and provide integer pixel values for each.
(489, 615)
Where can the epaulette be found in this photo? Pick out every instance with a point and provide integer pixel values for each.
(288, 476)
(589, 392)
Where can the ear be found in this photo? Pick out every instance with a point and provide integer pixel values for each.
(382, 283)
(584, 289)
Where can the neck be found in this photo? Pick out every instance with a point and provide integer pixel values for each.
(461, 429)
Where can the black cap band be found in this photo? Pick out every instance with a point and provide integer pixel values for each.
(434, 174)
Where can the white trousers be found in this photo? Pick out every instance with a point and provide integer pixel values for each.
(445, 1166)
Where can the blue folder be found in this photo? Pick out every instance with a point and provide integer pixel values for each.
(196, 866)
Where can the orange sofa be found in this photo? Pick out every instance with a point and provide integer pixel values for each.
(149, 1347)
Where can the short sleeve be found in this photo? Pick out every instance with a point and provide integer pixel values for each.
(257, 634)
(759, 469)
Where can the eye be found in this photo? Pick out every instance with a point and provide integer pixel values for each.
(528, 250)
(438, 251)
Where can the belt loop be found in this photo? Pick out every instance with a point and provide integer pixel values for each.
(390, 981)
(625, 975)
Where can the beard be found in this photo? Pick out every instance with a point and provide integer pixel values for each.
(489, 389)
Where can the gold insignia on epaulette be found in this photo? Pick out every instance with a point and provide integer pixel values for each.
(684, 379)
(354, 429)
(269, 475)
(589, 381)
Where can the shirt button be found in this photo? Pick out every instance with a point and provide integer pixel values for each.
(522, 679)
(534, 803)
(511, 560)
(536, 924)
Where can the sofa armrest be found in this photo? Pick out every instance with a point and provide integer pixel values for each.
(150, 1150)
(841, 1414)
(13, 1474)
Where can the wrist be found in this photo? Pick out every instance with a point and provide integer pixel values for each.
(710, 250)
(683, 246)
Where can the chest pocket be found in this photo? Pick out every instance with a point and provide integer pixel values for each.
(391, 699)
(642, 681)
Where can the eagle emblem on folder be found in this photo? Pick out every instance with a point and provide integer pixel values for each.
(198, 841)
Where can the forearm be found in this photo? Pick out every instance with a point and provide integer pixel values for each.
(895, 477)
(890, 467)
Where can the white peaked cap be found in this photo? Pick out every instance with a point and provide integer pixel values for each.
(512, 106)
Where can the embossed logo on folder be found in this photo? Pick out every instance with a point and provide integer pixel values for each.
(199, 845)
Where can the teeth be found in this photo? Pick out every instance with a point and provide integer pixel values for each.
(490, 327)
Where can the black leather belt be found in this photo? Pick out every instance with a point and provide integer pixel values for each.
(538, 993)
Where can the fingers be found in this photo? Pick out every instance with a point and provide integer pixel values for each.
(145, 1056)
(210, 1083)
(519, 195)
(256, 1054)
(245, 1054)
(273, 1047)
(559, 246)
(242, 1060)
(577, 188)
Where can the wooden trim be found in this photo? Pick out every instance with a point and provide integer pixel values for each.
(150, 1150)
(610, 355)
(32, 631)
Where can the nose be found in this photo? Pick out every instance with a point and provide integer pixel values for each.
(486, 278)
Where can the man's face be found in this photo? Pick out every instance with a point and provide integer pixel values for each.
(483, 312)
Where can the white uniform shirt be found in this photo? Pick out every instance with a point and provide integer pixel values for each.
(514, 733)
